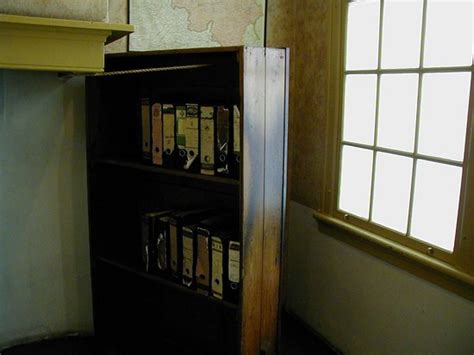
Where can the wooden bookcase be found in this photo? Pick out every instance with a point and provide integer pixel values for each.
(135, 307)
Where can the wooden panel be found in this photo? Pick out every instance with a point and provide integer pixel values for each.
(311, 95)
(274, 185)
(281, 32)
(252, 196)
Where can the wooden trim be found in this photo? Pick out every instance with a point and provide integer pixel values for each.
(252, 182)
(465, 237)
(441, 273)
(274, 187)
(236, 49)
(462, 259)
(335, 83)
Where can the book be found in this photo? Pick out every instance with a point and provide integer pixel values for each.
(223, 141)
(176, 223)
(145, 125)
(181, 136)
(156, 134)
(236, 151)
(207, 139)
(192, 137)
(168, 115)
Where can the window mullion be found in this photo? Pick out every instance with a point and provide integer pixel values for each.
(418, 113)
(377, 106)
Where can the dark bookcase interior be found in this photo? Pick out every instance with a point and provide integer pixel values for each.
(130, 304)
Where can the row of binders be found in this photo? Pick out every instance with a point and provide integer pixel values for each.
(196, 248)
(197, 138)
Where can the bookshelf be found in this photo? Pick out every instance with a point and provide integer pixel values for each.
(134, 306)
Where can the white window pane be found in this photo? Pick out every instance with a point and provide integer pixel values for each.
(359, 108)
(435, 204)
(401, 33)
(392, 191)
(356, 176)
(397, 111)
(362, 35)
(448, 33)
(444, 108)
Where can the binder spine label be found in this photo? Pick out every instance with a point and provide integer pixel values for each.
(161, 248)
(181, 131)
(145, 243)
(188, 257)
(146, 134)
(234, 262)
(202, 264)
(217, 267)
(223, 140)
(174, 248)
(192, 134)
(168, 129)
(207, 140)
(157, 134)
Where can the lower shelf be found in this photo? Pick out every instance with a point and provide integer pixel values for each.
(166, 283)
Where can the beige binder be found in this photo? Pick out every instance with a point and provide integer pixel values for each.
(145, 123)
(207, 129)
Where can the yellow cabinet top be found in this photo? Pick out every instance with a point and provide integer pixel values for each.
(37, 43)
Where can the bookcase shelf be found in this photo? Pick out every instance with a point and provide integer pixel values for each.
(130, 164)
(126, 267)
(133, 306)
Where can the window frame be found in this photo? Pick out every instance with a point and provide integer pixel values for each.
(454, 271)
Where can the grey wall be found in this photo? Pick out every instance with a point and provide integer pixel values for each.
(44, 256)
(366, 306)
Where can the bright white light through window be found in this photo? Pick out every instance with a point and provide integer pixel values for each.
(435, 204)
(359, 108)
(419, 69)
(401, 33)
(355, 181)
(362, 35)
(397, 115)
(443, 120)
(392, 191)
(448, 33)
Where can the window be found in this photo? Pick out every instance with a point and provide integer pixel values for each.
(403, 128)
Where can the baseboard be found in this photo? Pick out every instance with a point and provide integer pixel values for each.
(39, 338)
(310, 330)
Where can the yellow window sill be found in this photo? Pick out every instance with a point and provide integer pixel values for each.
(424, 266)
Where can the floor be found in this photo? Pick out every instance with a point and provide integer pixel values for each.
(297, 339)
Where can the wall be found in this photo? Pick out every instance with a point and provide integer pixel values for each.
(359, 303)
(365, 306)
(44, 256)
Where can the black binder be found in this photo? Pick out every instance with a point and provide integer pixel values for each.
(205, 230)
(152, 239)
(225, 274)
(223, 141)
(168, 116)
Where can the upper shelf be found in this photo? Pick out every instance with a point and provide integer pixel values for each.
(37, 43)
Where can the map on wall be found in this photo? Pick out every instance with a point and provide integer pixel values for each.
(172, 24)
